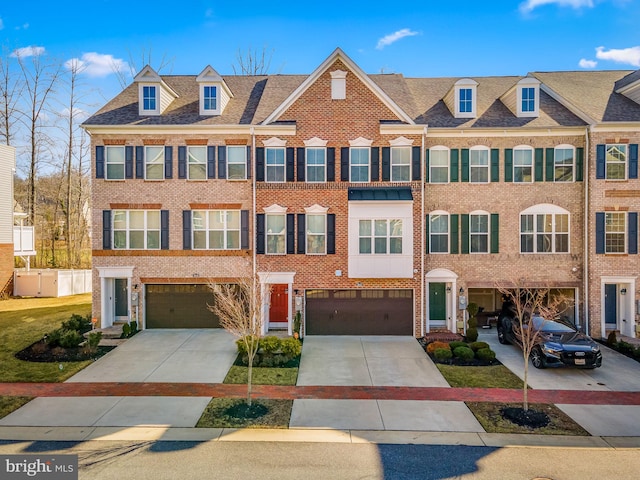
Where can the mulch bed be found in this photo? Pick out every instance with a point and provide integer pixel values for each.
(424, 341)
(42, 352)
(529, 418)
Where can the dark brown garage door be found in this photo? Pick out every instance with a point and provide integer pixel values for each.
(179, 306)
(359, 312)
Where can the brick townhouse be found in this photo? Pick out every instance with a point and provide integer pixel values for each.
(372, 204)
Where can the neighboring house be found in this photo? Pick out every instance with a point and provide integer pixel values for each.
(7, 170)
(375, 204)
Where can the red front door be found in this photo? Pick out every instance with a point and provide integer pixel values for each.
(279, 309)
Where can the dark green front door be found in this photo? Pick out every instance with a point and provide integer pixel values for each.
(437, 302)
(121, 299)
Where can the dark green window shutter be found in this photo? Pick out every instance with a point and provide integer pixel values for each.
(139, 162)
(601, 152)
(244, 229)
(106, 229)
(539, 164)
(495, 233)
(186, 229)
(633, 160)
(291, 233)
(386, 164)
(164, 229)
(632, 219)
(426, 235)
(260, 233)
(168, 162)
(600, 232)
(331, 164)
(416, 172)
(222, 161)
(495, 165)
(375, 164)
(302, 239)
(464, 160)
(290, 164)
(579, 164)
(182, 162)
(331, 233)
(453, 173)
(99, 161)
(211, 161)
(508, 165)
(128, 162)
(300, 164)
(453, 234)
(260, 169)
(249, 172)
(465, 233)
(426, 167)
(344, 164)
(549, 167)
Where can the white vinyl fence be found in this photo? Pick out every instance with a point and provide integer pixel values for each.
(50, 282)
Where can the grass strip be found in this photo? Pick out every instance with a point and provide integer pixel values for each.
(216, 416)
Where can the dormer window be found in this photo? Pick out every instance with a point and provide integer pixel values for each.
(214, 92)
(528, 101)
(154, 95)
(465, 98)
(210, 97)
(149, 98)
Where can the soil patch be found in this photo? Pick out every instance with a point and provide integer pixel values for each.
(246, 411)
(41, 351)
(529, 418)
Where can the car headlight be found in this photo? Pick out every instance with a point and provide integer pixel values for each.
(552, 349)
(595, 348)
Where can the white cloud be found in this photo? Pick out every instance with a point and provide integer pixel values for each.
(97, 64)
(394, 37)
(584, 63)
(530, 5)
(78, 114)
(630, 56)
(30, 51)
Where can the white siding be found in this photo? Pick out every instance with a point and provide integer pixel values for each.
(7, 167)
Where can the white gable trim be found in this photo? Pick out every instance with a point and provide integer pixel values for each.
(317, 209)
(363, 77)
(275, 208)
(401, 142)
(360, 142)
(274, 142)
(315, 142)
(209, 74)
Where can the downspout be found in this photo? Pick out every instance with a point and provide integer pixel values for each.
(422, 232)
(585, 266)
(253, 196)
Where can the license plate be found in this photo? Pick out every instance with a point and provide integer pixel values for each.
(580, 361)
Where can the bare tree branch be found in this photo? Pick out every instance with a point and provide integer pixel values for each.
(253, 62)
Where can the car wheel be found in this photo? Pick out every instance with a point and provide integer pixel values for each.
(537, 358)
(501, 337)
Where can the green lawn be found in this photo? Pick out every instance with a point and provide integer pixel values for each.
(21, 325)
(216, 414)
(495, 376)
(262, 375)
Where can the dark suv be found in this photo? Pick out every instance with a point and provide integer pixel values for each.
(558, 344)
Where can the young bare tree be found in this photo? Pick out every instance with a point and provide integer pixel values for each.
(524, 303)
(10, 92)
(124, 75)
(239, 308)
(252, 62)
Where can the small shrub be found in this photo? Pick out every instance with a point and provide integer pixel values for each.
(464, 353)
(472, 334)
(473, 309)
(612, 339)
(433, 346)
(290, 347)
(486, 355)
(133, 326)
(475, 346)
(93, 340)
(53, 338)
(472, 323)
(456, 343)
(625, 348)
(70, 339)
(78, 323)
(242, 348)
(442, 354)
(126, 331)
(636, 352)
(270, 344)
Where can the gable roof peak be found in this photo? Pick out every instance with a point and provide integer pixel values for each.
(209, 74)
(147, 74)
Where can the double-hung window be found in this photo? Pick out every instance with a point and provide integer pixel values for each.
(528, 99)
(236, 162)
(523, 164)
(136, 229)
(316, 159)
(439, 165)
(275, 164)
(616, 162)
(359, 164)
(216, 229)
(210, 97)
(615, 232)
(154, 163)
(276, 234)
(479, 165)
(114, 159)
(197, 162)
(563, 159)
(316, 226)
(544, 232)
(479, 233)
(400, 164)
(149, 98)
(466, 100)
(380, 237)
(439, 233)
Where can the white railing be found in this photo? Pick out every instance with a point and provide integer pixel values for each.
(24, 241)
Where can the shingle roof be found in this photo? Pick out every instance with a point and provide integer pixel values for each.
(256, 97)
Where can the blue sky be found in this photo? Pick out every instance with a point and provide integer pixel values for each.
(415, 38)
